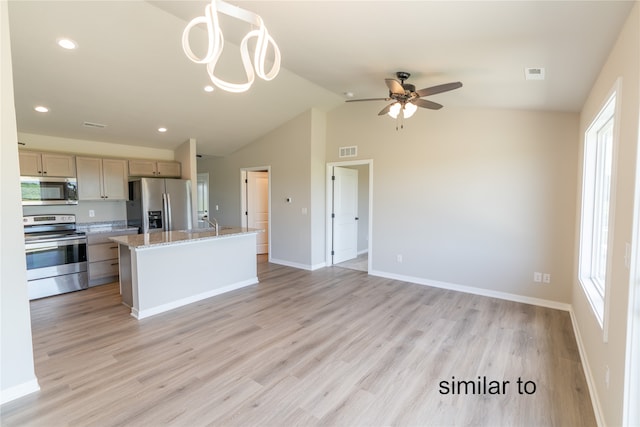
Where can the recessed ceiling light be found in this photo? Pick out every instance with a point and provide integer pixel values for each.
(162, 129)
(41, 109)
(67, 44)
(349, 94)
(208, 88)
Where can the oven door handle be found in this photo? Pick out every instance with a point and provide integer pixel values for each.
(39, 245)
(39, 249)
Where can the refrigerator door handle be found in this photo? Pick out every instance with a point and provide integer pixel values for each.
(145, 219)
(164, 212)
(169, 224)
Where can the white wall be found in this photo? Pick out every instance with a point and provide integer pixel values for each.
(16, 352)
(623, 62)
(93, 148)
(317, 188)
(287, 150)
(186, 155)
(478, 198)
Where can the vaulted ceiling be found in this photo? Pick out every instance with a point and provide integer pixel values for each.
(130, 73)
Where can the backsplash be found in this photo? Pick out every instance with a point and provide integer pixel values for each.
(103, 211)
(101, 224)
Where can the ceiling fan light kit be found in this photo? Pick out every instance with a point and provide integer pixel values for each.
(408, 109)
(406, 99)
(216, 45)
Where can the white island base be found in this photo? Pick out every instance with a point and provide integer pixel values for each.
(163, 271)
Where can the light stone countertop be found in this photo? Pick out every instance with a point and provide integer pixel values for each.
(167, 238)
(100, 227)
(100, 230)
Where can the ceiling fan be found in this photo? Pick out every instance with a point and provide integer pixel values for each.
(406, 98)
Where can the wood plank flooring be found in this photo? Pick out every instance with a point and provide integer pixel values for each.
(360, 263)
(332, 347)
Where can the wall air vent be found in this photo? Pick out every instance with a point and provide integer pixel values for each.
(534, 73)
(94, 125)
(348, 151)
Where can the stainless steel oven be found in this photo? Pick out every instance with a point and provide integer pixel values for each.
(56, 255)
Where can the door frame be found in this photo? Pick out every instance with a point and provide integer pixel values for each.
(329, 208)
(243, 197)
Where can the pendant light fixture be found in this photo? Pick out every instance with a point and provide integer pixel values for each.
(216, 45)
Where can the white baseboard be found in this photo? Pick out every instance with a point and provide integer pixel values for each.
(141, 314)
(318, 266)
(298, 265)
(18, 391)
(591, 385)
(364, 251)
(476, 291)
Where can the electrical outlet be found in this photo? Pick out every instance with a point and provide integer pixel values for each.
(537, 277)
(92, 213)
(217, 207)
(546, 278)
(399, 258)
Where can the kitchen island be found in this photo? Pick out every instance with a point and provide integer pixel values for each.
(161, 271)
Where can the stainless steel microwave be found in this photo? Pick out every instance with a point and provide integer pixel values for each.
(39, 190)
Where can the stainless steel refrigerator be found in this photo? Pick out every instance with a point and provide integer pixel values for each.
(159, 204)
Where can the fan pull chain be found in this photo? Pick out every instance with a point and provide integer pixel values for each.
(400, 119)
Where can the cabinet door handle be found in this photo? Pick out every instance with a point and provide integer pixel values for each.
(113, 247)
(115, 263)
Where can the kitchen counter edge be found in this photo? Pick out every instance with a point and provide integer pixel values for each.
(169, 238)
(105, 230)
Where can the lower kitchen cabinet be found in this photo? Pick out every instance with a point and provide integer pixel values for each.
(102, 256)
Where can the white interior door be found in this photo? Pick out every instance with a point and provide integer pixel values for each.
(258, 207)
(345, 214)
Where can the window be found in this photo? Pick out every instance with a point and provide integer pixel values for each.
(596, 207)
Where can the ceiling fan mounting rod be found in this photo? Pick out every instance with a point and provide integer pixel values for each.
(402, 76)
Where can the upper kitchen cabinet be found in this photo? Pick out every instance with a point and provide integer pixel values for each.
(102, 179)
(155, 168)
(33, 163)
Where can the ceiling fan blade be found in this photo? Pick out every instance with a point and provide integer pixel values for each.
(385, 110)
(394, 86)
(427, 104)
(368, 99)
(438, 89)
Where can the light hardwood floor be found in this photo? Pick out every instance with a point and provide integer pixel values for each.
(360, 263)
(330, 347)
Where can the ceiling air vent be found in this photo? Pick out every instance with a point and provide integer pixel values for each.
(94, 125)
(534, 73)
(348, 151)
